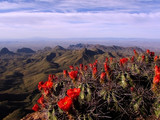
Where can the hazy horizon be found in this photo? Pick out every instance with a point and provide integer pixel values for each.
(40, 43)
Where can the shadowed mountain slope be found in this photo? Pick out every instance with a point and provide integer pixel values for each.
(25, 50)
(5, 51)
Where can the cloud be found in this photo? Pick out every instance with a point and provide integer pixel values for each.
(83, 18)
(81, 5)
(15, 6)
(79, 24)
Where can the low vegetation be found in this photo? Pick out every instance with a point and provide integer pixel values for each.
(125, 88)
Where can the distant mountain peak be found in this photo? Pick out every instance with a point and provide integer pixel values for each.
(5, 51)
(77, 46)
(25, 50)
(58, 47)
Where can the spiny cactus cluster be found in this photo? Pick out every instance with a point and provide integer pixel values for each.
(126, 88)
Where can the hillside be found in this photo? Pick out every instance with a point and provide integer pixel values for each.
(20, 73)
(116, 89)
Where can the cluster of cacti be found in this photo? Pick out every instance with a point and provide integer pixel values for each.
(128, 88)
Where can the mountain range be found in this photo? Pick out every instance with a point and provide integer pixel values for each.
(20, 72)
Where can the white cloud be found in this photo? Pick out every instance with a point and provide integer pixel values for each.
(79, 18)
(15, 5)
(79, 24)
(81, 5)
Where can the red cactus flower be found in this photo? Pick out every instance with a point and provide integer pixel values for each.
(65, 73)
(96, 61)
(73, 74)
(106, 59)
(147, 51)
(152, 54)
(71, 67)
(95, 64)
(106, 67)
(41, 100)
(77, 68)
(91, 66)
(40, 84)
(49, 84)
(85, 68)
(73, 93)
(35, 107)
(95, 71)
(132, 89)
(156, 79)
(135, 53)
(103, 76)
(50, 77)
(65, 104)
(46, 91)
(81, 66)
(132, 59)
(54, 77)
(111, 60)
(123, 61)
(157, 70)
(143, 57)
(155, 58)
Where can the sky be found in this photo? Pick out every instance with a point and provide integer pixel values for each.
(79, 19)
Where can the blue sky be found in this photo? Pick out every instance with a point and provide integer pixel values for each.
(79, 19)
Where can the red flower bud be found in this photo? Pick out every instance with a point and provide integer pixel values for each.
(135, 53)
(91, 66)
(95, 64)
(157, 70)
(151, 54)
(132, 89)
(81, 66)
(106, 59)
(132, 59)
(103, 76)
(147, 51)
(96, 61)
(71, 67)
(40, 84)
(35, 107)
(156, 79)
(95, 71)
(65, 73)
(85, 68)
(155, 58)
(111, 60)
(46, 91)
(106, 67)
(50, 77)
(143, 57)
(123, 61)
(77, 68)
(41, 100)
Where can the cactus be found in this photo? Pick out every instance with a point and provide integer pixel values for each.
(124, 92)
